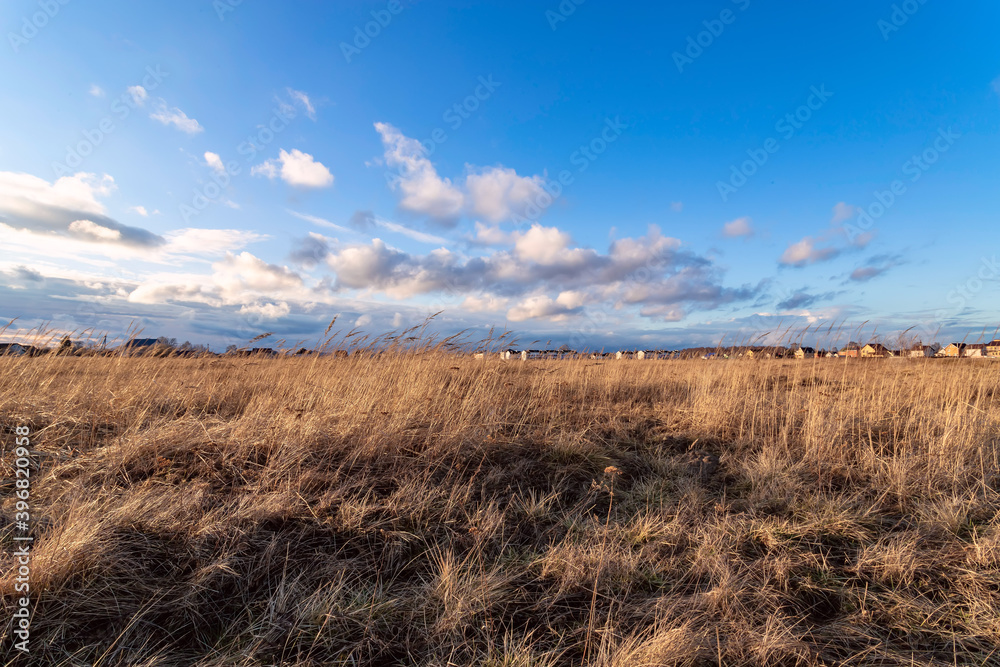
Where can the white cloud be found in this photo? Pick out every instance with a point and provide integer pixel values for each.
(806, 252)
(267, 311)
(494, 193)
(421, 189)
(484, 304)
(303, 99)
(363, 321)
(298, 169)
(176, 117)
(498, 193)
(844, 211)
(79, 191)
(68, 207)
(241, 279)
(139, 95)
(88, 228)
(650, 271)
(215, 162)
(547, 246)
(268, 169)
(397, 321)
(738, 227)
(141, 210)
(542, 307)
(491, 235)
(96, 91)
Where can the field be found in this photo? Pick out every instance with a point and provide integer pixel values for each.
(434, 509)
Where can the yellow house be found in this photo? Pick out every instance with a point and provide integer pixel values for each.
(875, 350)
(993, 348)
(952, 350)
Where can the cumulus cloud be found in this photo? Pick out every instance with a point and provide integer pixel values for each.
(498, 193)
(543, 273)
(296, 168)
(215, 162)
(89, 228)
(806, 252)
(543, 307)
(96, 91)
(141, 210)
(738, 227)
(494, 193)
(363, 321)
(173, 116)
(481, 304)
(489, 235)
(69, 207)
(266, 311)
(237, 279)
(421, 189)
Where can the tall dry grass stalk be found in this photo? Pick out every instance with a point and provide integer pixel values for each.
(419, 507)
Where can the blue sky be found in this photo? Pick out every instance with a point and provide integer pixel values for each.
(591, 174)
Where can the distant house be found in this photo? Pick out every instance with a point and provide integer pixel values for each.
(12, 349)
(140, 342)
(974, 350)
(851, 350)
(951, 350)
(921, 350)
(875, 350)
(804, 353)
(993, 348)
(263, 351)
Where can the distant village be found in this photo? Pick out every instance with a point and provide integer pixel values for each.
(852, 349)
(168, 347)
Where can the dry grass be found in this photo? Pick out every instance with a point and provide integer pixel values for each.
(431, 510)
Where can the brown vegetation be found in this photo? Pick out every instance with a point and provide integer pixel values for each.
(432, 509)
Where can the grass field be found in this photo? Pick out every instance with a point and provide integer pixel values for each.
(434, 509)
